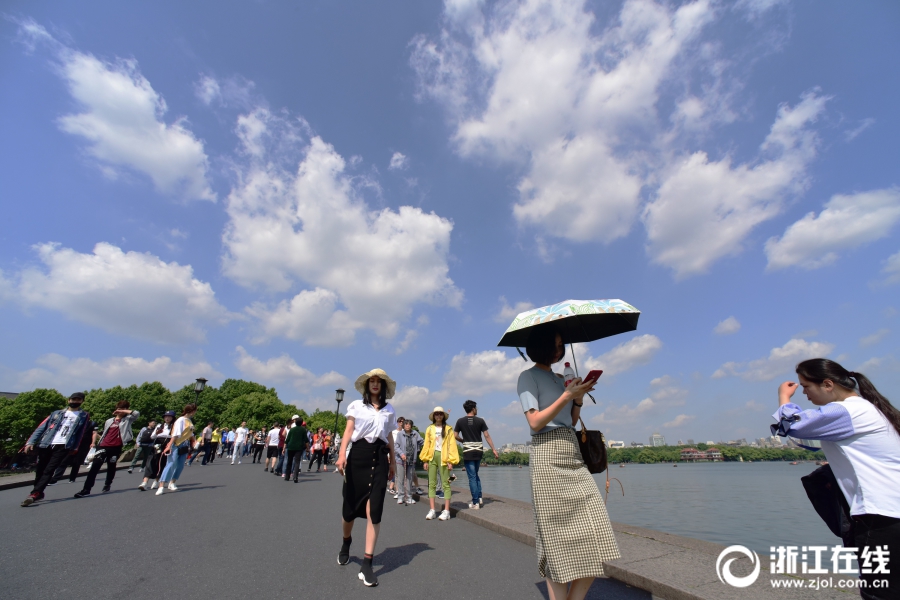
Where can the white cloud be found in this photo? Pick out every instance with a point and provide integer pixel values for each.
(507, 313)
(851, 134)
(285, 369)
(126, 293)
(474, 375)
(705, 209)
(871, 340)
(666, 394)
(637, 351)
(679, 421)
(230, 91)
(892, 269)
(848, 221)
(122, 121)
(207, 90)
(728, 326)
(535, 82)
(779, 361)
(513, 409)
(70, 374)
(313, 227)
(311, 316)
(413, 402)
(407, 341)
(399, 162)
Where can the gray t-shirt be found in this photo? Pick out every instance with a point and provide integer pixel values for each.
(539, 389)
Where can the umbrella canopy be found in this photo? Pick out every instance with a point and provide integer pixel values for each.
(578, 321)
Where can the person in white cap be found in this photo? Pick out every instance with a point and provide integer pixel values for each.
(369, 464)
(439, 453)
(240, 438)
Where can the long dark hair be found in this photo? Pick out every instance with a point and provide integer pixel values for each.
(541, 345)
(382, 395)
(818, 370)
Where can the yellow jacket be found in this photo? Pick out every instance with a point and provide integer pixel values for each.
(449, 451)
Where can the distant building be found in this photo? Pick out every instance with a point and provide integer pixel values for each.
(695, 455)
(710, 443)
(636, 445)
(9, 395)
(614, 444)
(679, 443)
(657, 440)
(523, 448)
(690, 442)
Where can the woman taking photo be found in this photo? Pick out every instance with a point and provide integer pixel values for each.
(860, 434)
(573, 537)
(160, 437)
(439, 454)
(177, 449)
(369, 464)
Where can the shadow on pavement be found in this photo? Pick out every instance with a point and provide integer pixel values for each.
(398, 556)
(602, 589)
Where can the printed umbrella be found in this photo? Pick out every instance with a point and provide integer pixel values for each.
(578, 321)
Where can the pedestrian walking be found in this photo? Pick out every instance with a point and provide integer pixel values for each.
(56, 438)
(318, 449)
(294, 444)
(392, 482)
(215, 441)
(240, 440)
(206, 437)
(177, 449)
(259, 445)
(368, 465)
(272, 440)
(439, 453)
(76, 461)
(407, 445)
(230, 448)
(144, 444)
(160, 437)
(860, 434)
(469, 430)
(573, 537)
(116, 433)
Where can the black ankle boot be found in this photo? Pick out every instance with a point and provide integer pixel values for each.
(344, 555)
(366, 574)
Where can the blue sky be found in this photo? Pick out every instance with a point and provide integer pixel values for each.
(295, 193)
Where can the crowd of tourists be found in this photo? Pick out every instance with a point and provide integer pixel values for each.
(377, 453)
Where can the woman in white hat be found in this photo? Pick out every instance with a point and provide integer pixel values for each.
(439, 453)
(368, 465)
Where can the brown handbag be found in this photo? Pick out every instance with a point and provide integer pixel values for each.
(593, 449)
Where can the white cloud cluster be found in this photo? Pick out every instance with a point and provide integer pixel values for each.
(679, 420)
(727, 327)
(126, 293)
(285, 369)
(666, 394)
(848, 221)
(122, 121)
(366, 268)
(537, 82)
(705, 209)
(507, 313)
(892, 269)
(71, 374)
(414, 402)
(628, 355)
(871, 340)
(779, 361)
(399, 162)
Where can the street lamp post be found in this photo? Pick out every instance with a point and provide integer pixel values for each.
(339, 397)
(199, 387)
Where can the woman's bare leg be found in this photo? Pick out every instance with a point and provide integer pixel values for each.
(557, 591)
(578, 589)
(371, 530)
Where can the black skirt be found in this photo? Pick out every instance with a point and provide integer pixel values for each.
(365, 480)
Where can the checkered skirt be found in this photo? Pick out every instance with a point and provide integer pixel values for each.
(573, 537)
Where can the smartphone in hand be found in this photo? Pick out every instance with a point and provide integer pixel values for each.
(593, 376)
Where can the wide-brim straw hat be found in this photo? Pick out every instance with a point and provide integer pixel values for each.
(439, 409)
(361, 381)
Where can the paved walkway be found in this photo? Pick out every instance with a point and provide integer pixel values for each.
(238, 532)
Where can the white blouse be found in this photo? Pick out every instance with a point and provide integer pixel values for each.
(371, 424)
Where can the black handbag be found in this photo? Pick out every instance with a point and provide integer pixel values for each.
(593, 449)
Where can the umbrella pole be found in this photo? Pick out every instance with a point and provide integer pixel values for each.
(575, 362)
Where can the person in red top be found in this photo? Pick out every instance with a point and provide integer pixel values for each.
(318, 449)
(116, 433)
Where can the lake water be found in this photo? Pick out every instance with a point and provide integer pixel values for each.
(758, 505)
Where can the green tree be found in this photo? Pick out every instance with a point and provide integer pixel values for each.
(325, 419)
(152, 399)
(233, 388)
(20, 416)
(259, 409)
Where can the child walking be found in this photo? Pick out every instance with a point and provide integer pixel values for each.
(440, 454)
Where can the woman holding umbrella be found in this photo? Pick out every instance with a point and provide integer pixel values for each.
(369, 465)
(572, 531)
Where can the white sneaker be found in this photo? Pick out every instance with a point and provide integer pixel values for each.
(154, 484)
(477, 507)
(160, 491)
(420, 491)
(400, 501)
(445, 515)
(142, 487)
(410, 501)
(173, 487)
(481, 501)
(396, 496)
(472, 505)
(239, 462)
(431, 514)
